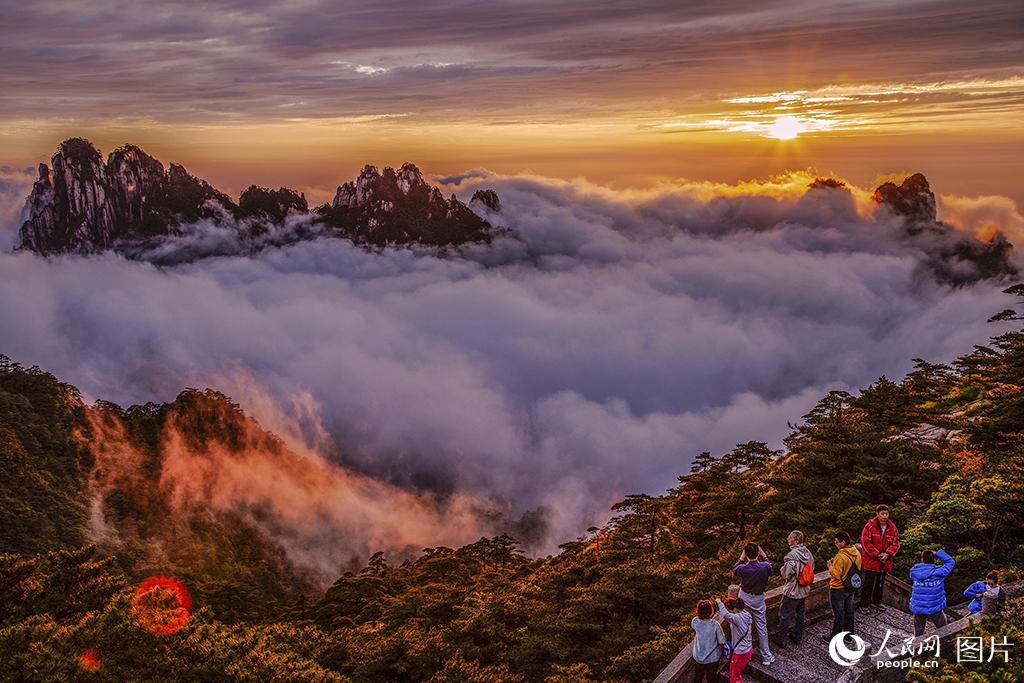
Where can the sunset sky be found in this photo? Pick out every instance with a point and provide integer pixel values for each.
(661, 280)
(624, 93)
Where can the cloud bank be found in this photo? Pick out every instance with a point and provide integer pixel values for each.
(270, 61)
(593, 352)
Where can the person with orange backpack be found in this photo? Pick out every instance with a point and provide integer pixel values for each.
(798, 572)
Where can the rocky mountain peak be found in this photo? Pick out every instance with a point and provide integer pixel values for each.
(827, 184)
(272, 204)
(912, 200)
(486, 198)
(82, 204)
(68, 207)
(400, 207)
(132, 176)
(409, 177)
(81, 157)
(955, 256)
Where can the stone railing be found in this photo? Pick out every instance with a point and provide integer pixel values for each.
(680, 670)
(896, 594)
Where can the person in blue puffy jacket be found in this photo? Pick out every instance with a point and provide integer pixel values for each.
(928, 598)
(986, 596)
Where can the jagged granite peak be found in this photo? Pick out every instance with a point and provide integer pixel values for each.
(912, 200)
(486, 198)
(409, 177)
(68, 207)
(134, 177)
(955, 257)
(41, 206)
(82, 204)
(272, 204)
(400, 207)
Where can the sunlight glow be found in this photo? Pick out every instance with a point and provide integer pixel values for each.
(785, 128)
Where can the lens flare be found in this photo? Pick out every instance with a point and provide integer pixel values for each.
(162, 605)
(89, 661)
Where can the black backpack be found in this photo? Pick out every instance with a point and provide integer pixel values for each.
(853, 581)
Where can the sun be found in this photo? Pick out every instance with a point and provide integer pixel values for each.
(785, 128)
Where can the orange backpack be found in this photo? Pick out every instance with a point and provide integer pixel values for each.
(806, 577)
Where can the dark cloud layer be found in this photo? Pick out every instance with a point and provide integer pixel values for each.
(228, 61)
(595, 353)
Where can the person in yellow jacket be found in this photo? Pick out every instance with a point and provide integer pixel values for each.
(842, 583)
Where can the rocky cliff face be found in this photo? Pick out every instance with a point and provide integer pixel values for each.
(134, 179)
(41, 229)
(913, 201)
(82, 204)
(486, 198)
(69, 206)
(955, 257)
(399, 207)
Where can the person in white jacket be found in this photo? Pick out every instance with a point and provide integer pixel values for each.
(707, 643)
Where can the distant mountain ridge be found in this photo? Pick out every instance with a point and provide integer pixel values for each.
(953, 256)
(81, 204)
(132, 204)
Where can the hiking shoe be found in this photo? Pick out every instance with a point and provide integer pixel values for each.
(768, 661)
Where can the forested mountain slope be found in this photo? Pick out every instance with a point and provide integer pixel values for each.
(87, 514)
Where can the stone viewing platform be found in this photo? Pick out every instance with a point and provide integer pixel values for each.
(810, 662)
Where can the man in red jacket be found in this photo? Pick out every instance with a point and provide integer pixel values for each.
(879, 541)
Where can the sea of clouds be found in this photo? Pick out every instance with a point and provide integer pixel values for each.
(591, 352)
